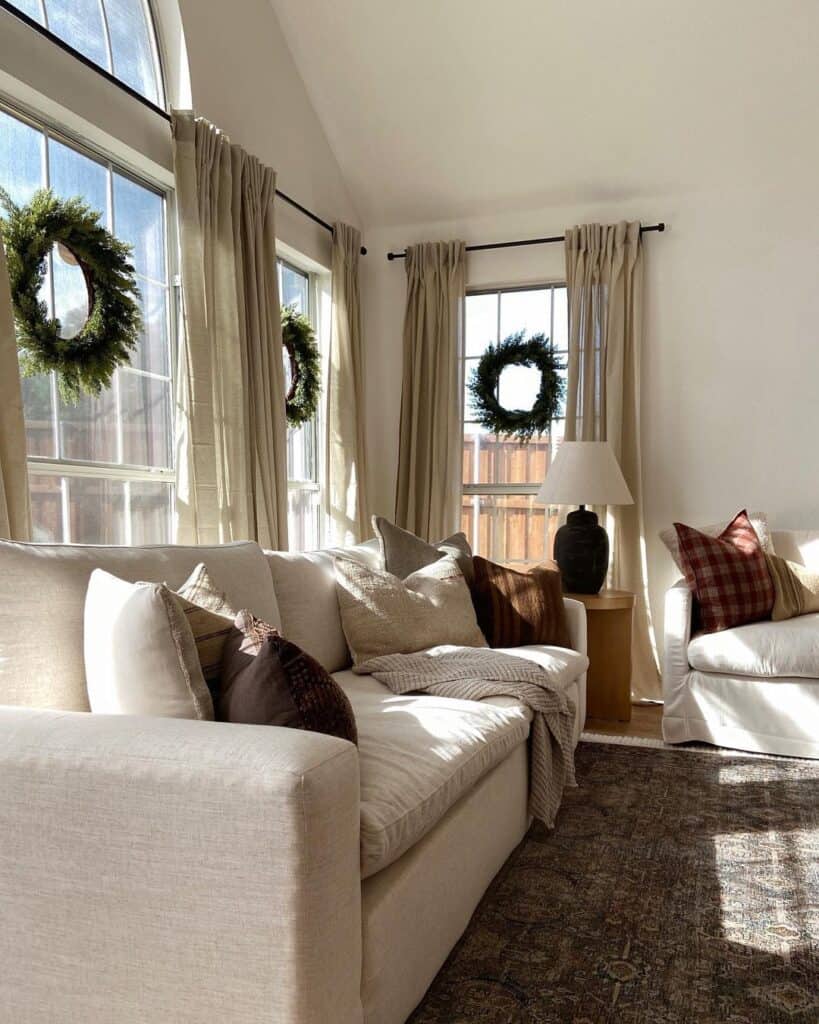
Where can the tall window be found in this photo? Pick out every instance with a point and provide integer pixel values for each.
(100, 471)
(501, 476)
(297, 288)
(117, 35)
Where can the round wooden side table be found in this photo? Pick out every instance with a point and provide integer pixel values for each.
(608, 685)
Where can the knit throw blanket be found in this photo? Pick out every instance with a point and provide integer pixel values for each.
(472, 673)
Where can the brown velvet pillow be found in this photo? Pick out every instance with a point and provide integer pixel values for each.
(267, 680)
(516, 609)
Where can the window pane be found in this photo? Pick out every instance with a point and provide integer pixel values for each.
(71, 174)
(561, 318)
(146, 420)
(528, 311)
(518, 387)
(152, 352)
(131, 46)
(38, 410)
(30, 7)
(139, 221)
(46, 508)
(303, 520)
(79, 23)
(301, 453)
(481, 323)
(510, 529)
(88, 430)
(295, 288)
(491, 459)
(70, 292)
(96, 511)
(150, 512)
(21, 158)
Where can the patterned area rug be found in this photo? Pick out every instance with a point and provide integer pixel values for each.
(678, 887)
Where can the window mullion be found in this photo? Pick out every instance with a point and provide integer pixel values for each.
(107, 32)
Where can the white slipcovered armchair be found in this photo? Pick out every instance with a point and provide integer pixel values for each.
(755, 687)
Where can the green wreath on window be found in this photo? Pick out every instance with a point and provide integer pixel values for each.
(305, 367)
(86, 362)
(484, 381)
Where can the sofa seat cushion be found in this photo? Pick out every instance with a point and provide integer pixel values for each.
(419, 754)
(789, 649)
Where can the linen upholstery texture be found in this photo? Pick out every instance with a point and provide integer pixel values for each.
(427, 500)
(140, 925)
(267, 680)
(384, 615)
(230, 416)
(516, 609)
(346, 438)
(759, 521)
(48, 582)
(210, 617)
(305, 584)
(796, 589)
(140, 654)
(15, 511)
(442, 878)
(403, 553)
(728, 574)
(604, 278)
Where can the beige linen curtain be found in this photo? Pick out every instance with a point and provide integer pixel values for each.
(230, 423)
(431, 431)
(604, 274)
(15, 513)
(346, 447)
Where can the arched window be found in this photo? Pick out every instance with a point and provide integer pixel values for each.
(100, 471)
(117, 35)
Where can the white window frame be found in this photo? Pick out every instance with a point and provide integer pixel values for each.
(318, 299)
(45, 466)
(478, 490)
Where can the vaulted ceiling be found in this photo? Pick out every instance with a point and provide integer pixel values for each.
(439, 108)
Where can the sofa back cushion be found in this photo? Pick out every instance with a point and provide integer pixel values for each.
(305, 585)
(42, 597)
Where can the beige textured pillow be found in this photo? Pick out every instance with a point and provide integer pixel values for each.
(210, 618)
(796, 589)
(402, 553)
(382, 614)
(759, 521)
(140, 655)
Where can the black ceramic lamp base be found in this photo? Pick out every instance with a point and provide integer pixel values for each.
(582, 553)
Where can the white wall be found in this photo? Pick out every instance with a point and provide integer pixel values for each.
(731, 354)
(244, 80)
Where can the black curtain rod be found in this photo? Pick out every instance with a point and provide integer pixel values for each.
(81, 57)
(523, 241)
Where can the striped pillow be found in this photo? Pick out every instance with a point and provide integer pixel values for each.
(210, 618)
(516, 609)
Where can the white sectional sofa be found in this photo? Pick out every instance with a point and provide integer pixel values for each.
(755, 687)
(180, 871)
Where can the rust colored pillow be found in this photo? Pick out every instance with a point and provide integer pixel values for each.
(728, 574)
(267, 680)
(515, 609)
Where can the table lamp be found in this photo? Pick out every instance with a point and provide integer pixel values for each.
(583, 473)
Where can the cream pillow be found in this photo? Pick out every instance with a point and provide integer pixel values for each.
(759, 521)
(210, 618)
(382, 614)
(140, 654)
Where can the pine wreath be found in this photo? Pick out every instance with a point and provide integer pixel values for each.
(517, 350)
(305, 367)
(86, 362)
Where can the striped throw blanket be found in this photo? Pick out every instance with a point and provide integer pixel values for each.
(472, 673)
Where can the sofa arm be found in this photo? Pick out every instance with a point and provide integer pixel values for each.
(679, 604)
(576, 621)
(163, 869)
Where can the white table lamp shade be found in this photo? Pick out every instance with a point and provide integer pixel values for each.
(585, 473)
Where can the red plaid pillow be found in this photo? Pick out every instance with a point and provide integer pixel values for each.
(728, 574)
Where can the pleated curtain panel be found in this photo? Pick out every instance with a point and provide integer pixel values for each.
(346, 446)
(604, 275)
(15, 513)
(428, 487)
(231, 429)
